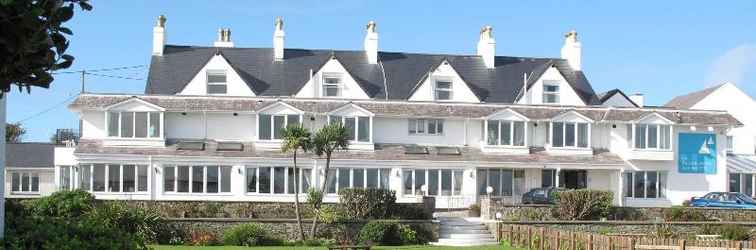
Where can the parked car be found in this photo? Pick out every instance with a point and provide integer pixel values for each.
(724, 200)
(540, 195)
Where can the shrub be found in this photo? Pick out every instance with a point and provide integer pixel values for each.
(728, 231)
(68, 204)
(367, 203)
(474, 210)
(202, 238)
(409, 211)
(583, 204)
(248, 234)
(684, 214)
(407, 235)
(380, 232)
(145, 224)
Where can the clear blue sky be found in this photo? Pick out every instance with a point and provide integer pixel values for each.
(659, 48)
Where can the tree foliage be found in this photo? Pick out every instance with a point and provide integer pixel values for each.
(296, 137)
(327, 140)
(14, 132)
(33, 41)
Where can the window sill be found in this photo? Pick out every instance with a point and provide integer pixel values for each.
(203, 194)
(655, 155)
(121, 193)
(25, 193)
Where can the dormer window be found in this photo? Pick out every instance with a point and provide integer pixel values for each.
(653, 136)
(134, 124)
(216, 82)
(505, 133)
(443, 89)
(271, 126)
(550, 91)
(569, 134)
(332, 84)
(358, 127)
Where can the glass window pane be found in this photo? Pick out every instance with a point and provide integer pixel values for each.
(306, 179)
(278, 125)
(651, 184)
(664, 137)
(112, 123)
(216, 76)
(142, 178)
(129, 178)
(734, 182)
(85, 176)
(264, 179)
(407, 181)
(198, 175)
(98, 176)
(251, 180)
(419, 181)
(290, 178)
(412, 126)
(331, 181)
(217, 89)
(640, 136)
(446, 182)
(15, 182)
(183, 179)
(519, 134)
(127, 124)
(264, 127)
(65, 177)
(431, 127)
(358, 179)
(292, 120)
(662, 184)
(343, 178)
(439, 126)
(547, 178)
(506, 182)
(169, 179)
(628, 185)
(385, 173)
(363, 133)
(569, 135)
(506, 133)
(557, 132)
(212, 179)
(433, 182)
(114, 178)
(652, 136)
(349, 125)
(372, 178)
(583, 135)
(140, 122)
(226, 179)
(640, 185)
(154, 124)
(25, 182)
(421, 126)
(493, 133)
(279, 184)
(457, 182)
(482, 180)
(494, 181)
(334, 119)
(35, 182)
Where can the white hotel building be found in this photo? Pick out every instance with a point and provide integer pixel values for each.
(449, 126)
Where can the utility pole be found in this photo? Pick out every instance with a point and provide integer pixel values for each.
(83, 72)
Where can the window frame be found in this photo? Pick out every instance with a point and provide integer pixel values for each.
(325, 85)
(743, 180)
(730, 146)
(223, 72)
(512, 134)
(661, 188)
(106, 177)
(29, 176)
(357, 127)
(659, 142)
(190, 180)
(160, 130)
(426, 125)
(273, 127)
(437, 89)
(576, 131)
(365, 179)
(456, 190)
(271, 172)
(556, 94)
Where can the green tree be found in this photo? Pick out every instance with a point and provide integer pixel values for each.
(295, 138)
(33, 41)
(14, 132)
(327, 140)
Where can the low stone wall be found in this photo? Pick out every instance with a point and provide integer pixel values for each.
(510, 212)
(287, 228)
(678, 229)
(265, 210)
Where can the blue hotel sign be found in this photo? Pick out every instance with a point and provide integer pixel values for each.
(697, 153)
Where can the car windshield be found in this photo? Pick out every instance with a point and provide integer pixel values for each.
(712, 196)
(746, 199)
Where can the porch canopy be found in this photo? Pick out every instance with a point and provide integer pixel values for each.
(742, 164)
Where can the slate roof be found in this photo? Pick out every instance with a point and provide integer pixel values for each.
(170, 73)
(404, 108)
(602, 97)
(689, 100)
(30, 155)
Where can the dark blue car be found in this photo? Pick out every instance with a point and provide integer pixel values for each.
(724, 200)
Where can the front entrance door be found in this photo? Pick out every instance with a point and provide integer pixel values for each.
(573, 179)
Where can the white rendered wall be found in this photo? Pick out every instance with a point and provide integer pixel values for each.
(191, 125)
(350, 90)
(731, 99)
(226, 126)
(235, 85)
(93, 125)
(460, 91)
(396, 130)
(567, 96)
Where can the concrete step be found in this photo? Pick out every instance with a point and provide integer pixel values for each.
(464, 242)
(465, 231)
(483, 236)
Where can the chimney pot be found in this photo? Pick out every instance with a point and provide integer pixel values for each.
(371, 43)
(572, 50)
(158, 36)
(487, 46)
(224, 38)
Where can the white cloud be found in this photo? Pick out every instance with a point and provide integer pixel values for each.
(734, 66)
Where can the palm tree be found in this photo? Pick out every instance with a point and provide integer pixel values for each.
(296, 137)
(327, 140)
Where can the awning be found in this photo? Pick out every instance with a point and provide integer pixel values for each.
(745, 164)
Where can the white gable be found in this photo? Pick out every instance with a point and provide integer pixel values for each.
(460, 91)
(134, 105)
(567, 95)
(350, 110)
(235, 85)
(654, 118)
(280, 108)
(730, 98)
(618, 100)
(508, 115)
(350, 88)
(571, 116)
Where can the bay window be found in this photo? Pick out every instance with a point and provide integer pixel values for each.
(426, 126)
(570, 135)
(444, 182)
(652, 136)
(113, 178)
(271, 126)
(341, 178)
(211, 179)
(134, 124)
(277, 180)
(645, 184)
(358, 127)
(505, 133)
(24, 182)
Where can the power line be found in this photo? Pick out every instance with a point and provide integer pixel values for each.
(51, 108)
(114, 76)
(98, 70)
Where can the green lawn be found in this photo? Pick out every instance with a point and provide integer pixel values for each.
(492, 247)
